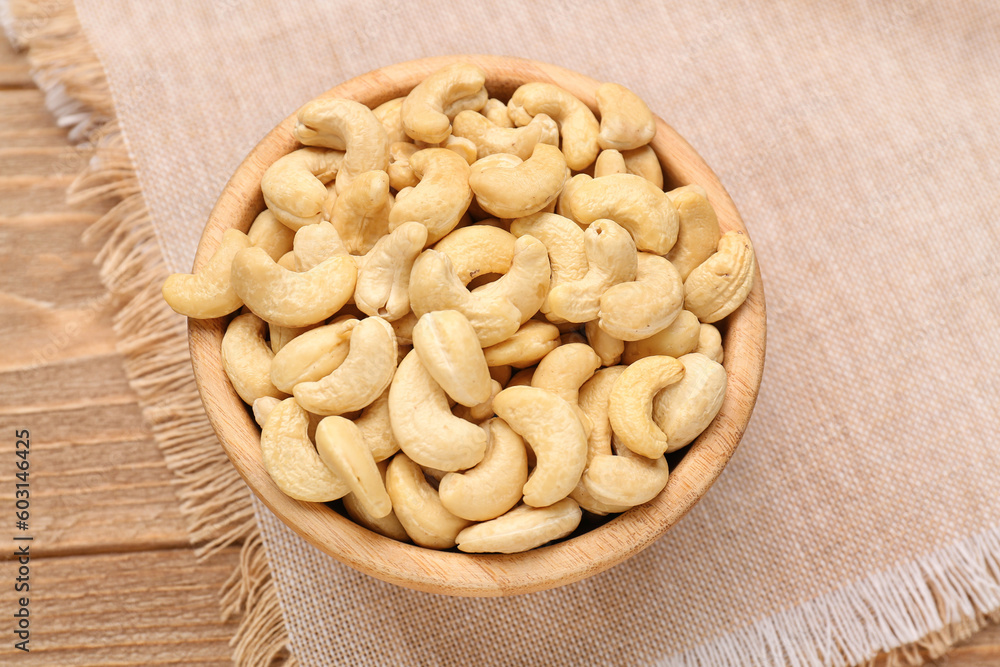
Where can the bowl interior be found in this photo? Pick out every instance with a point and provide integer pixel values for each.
(452, 572)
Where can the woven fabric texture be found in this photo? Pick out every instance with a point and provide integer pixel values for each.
(860, 143)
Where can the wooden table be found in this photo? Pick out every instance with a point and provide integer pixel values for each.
(113, 578)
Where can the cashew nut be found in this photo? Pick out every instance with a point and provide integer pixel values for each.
(400, 172)
(289, 298)
(572, 338)
(490, 138)
(634, 203)
(262, 408)
(577, 124)
(563, 370)
(718, 286)
(496, 112)
(698, 232)
(609, 162)
(291, 459)
(512, 192)
(208, 293)
(389, 525)
(246, 358)
(494, 485)
(481, 412)
(346, 126)
(361, 214)
(478, 250)
(449, 350)
(630, 406)
(564, 241)
(404, 328)
(594, 396)
(424, 110)
(563, 207)
(526, 347)
(314, 244)
(522, 378)
(389, 114)
(679, 338)
(521, 529)
(607, 347)
(441, 197)
(685, 409)
(626, 121)
(552, 429)
(342, 448)
(418, 507)
(626, 478)
(376, 429)
(637, 309)
(267, 233)
(312, 356)
(383, 286)
(294, 186)
(501, 373)
(364, 374)
(288, 262)
(643, 162)
(282, 336)
(463, 147)
(611, 259)
(423, 424)
(710, 343)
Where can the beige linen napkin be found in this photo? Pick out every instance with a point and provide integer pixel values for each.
(860, 142)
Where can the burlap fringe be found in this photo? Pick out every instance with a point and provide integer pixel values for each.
(153, 339)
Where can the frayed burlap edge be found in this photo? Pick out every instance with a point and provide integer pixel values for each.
(153, 339)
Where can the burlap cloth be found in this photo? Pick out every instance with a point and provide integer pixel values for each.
(860, 142)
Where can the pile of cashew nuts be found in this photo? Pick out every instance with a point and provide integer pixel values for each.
(473, 320)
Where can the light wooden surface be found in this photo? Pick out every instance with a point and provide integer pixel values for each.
(114, 581)
(455, 573)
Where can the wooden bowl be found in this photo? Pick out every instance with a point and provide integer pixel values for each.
(452, 572)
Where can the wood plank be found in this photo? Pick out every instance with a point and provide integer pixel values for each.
(45, 161)
(150, 608)
(15, 76)
(32, 195)
(31, 136)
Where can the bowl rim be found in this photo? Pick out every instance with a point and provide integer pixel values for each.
(452, 572)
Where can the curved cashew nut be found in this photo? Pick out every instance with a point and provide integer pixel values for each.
(626, 121)
(494, 485)
(718, 286)
(526, 284)
(611, 259)
(577, 123)
(423, 424)
(342, 448)
(521, 529)
(383, 287)
(512, 192)
(418, 507)
(289, 298)
(262, 408)
(626, 479)
(710, 343)
(288, 262)
(564, 241)
(481, 412)
(594, 395)
(361, 213)
(685, 409)
(634, 203)
(268, 233)
(630, 406)
(637, 309)
(490, 138)
(526, 347)
(441, 197)
(389, 114)
(679, 338)
(478, 250)
(424, 111)
(312, 356)
(364, 374)
(522, 378)
(348, 126)
(449, 350)
(389, 525)
(291, 459)
(246, 358)
(643, 162)
(376, 429)
(314, 244)
(400, 172)
(563, 206)
(294, 186)
(698, 232)
(609, 162)
(563, 370)
(464, 147)
(496, 112)
(552, 429)
(210, 292)
(607, 347)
